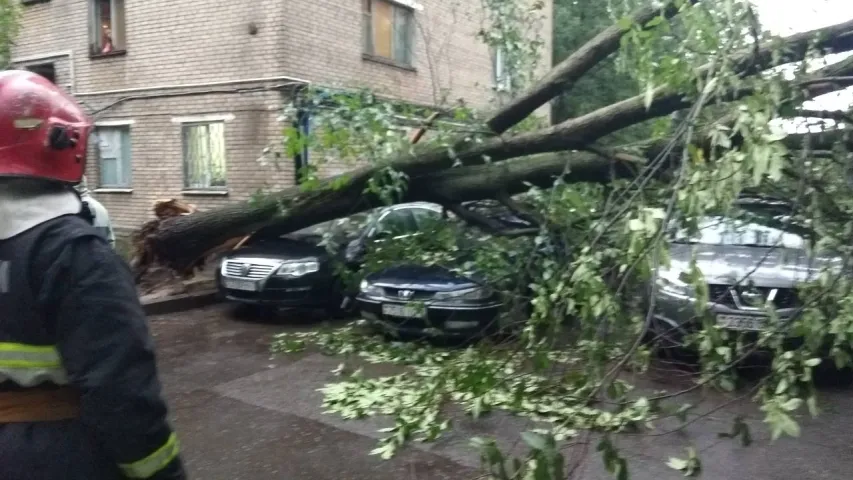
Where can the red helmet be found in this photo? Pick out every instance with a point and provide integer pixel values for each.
(43, 131)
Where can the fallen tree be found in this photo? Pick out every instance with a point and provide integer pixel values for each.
(513, 159)
(598, 243)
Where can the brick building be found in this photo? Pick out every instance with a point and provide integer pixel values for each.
(187, 93)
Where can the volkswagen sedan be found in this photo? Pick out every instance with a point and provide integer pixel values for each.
(297, 271)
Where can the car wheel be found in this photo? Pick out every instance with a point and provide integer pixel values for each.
(828, 375)
(345, 307)
(668, 344)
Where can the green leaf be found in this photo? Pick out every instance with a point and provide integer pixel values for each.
(625, 23)
(792, 404)
(534, 440)
(654, 22)
(635, 224)
(677, 463)
(649, 96)
(811, 403)
(813, 362)
(681, 413)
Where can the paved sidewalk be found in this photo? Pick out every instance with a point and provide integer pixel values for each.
(244, 415)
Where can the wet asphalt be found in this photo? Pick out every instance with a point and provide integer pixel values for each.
(242, 414)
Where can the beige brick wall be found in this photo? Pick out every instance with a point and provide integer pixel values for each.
(173, 43)
(156, 151)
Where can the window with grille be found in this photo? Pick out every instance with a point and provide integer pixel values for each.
(388, 30)
(114, 163)
(204, 155)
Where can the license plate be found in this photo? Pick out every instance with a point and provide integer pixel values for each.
(403, 311)
(460, 325)
(235, 284)
(742, 322)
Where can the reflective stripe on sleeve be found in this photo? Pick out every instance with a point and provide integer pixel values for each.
(150, 465)
(28, 365)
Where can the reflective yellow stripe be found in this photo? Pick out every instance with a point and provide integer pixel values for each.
(150, 465)
(28, 365)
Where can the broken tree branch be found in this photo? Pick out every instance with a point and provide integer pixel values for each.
(489, 225)
(562, 77)
(523, 213)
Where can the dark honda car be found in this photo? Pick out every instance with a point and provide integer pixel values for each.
(420, 300)
(297, 271)
(412, 300)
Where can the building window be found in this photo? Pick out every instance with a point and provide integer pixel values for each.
(388, 30)
(46, 70)
(107, 26)
(113, 156)
(500, 70)
(204, 155)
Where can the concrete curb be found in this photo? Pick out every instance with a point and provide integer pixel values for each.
(180, 303)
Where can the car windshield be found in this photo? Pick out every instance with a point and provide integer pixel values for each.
(347, 226)
(753, 227)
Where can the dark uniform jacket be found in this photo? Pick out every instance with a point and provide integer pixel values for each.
(70, 315)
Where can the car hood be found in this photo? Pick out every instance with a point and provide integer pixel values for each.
(285, 248)
(767, 267)
(421, 277)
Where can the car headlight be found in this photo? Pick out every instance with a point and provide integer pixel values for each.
(369, 289)
(298, 268)
(467, 295)
(672, 283)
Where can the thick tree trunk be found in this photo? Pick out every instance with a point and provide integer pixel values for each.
(179, 242)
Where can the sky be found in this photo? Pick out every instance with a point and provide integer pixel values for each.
(785, 17)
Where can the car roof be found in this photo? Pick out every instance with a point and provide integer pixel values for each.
(429, 205)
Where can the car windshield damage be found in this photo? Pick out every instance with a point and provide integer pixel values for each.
(748, 226)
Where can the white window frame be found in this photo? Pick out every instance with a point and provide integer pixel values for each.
(123, 163)
(197, 121)
(500, 72)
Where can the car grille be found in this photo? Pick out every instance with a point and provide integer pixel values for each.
(787, 298)
(416, 295)
(722, 295)
(238, 269)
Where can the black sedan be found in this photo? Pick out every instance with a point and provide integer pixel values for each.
(297, 270)
(415, 300)
(280, 272)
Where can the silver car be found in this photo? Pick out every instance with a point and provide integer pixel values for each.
(749, 263)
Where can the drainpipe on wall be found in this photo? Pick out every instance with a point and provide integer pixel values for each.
(302, 124)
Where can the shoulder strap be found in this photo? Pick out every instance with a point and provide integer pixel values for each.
(86, 212)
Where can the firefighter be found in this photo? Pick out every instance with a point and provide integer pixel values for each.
(80, 397)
